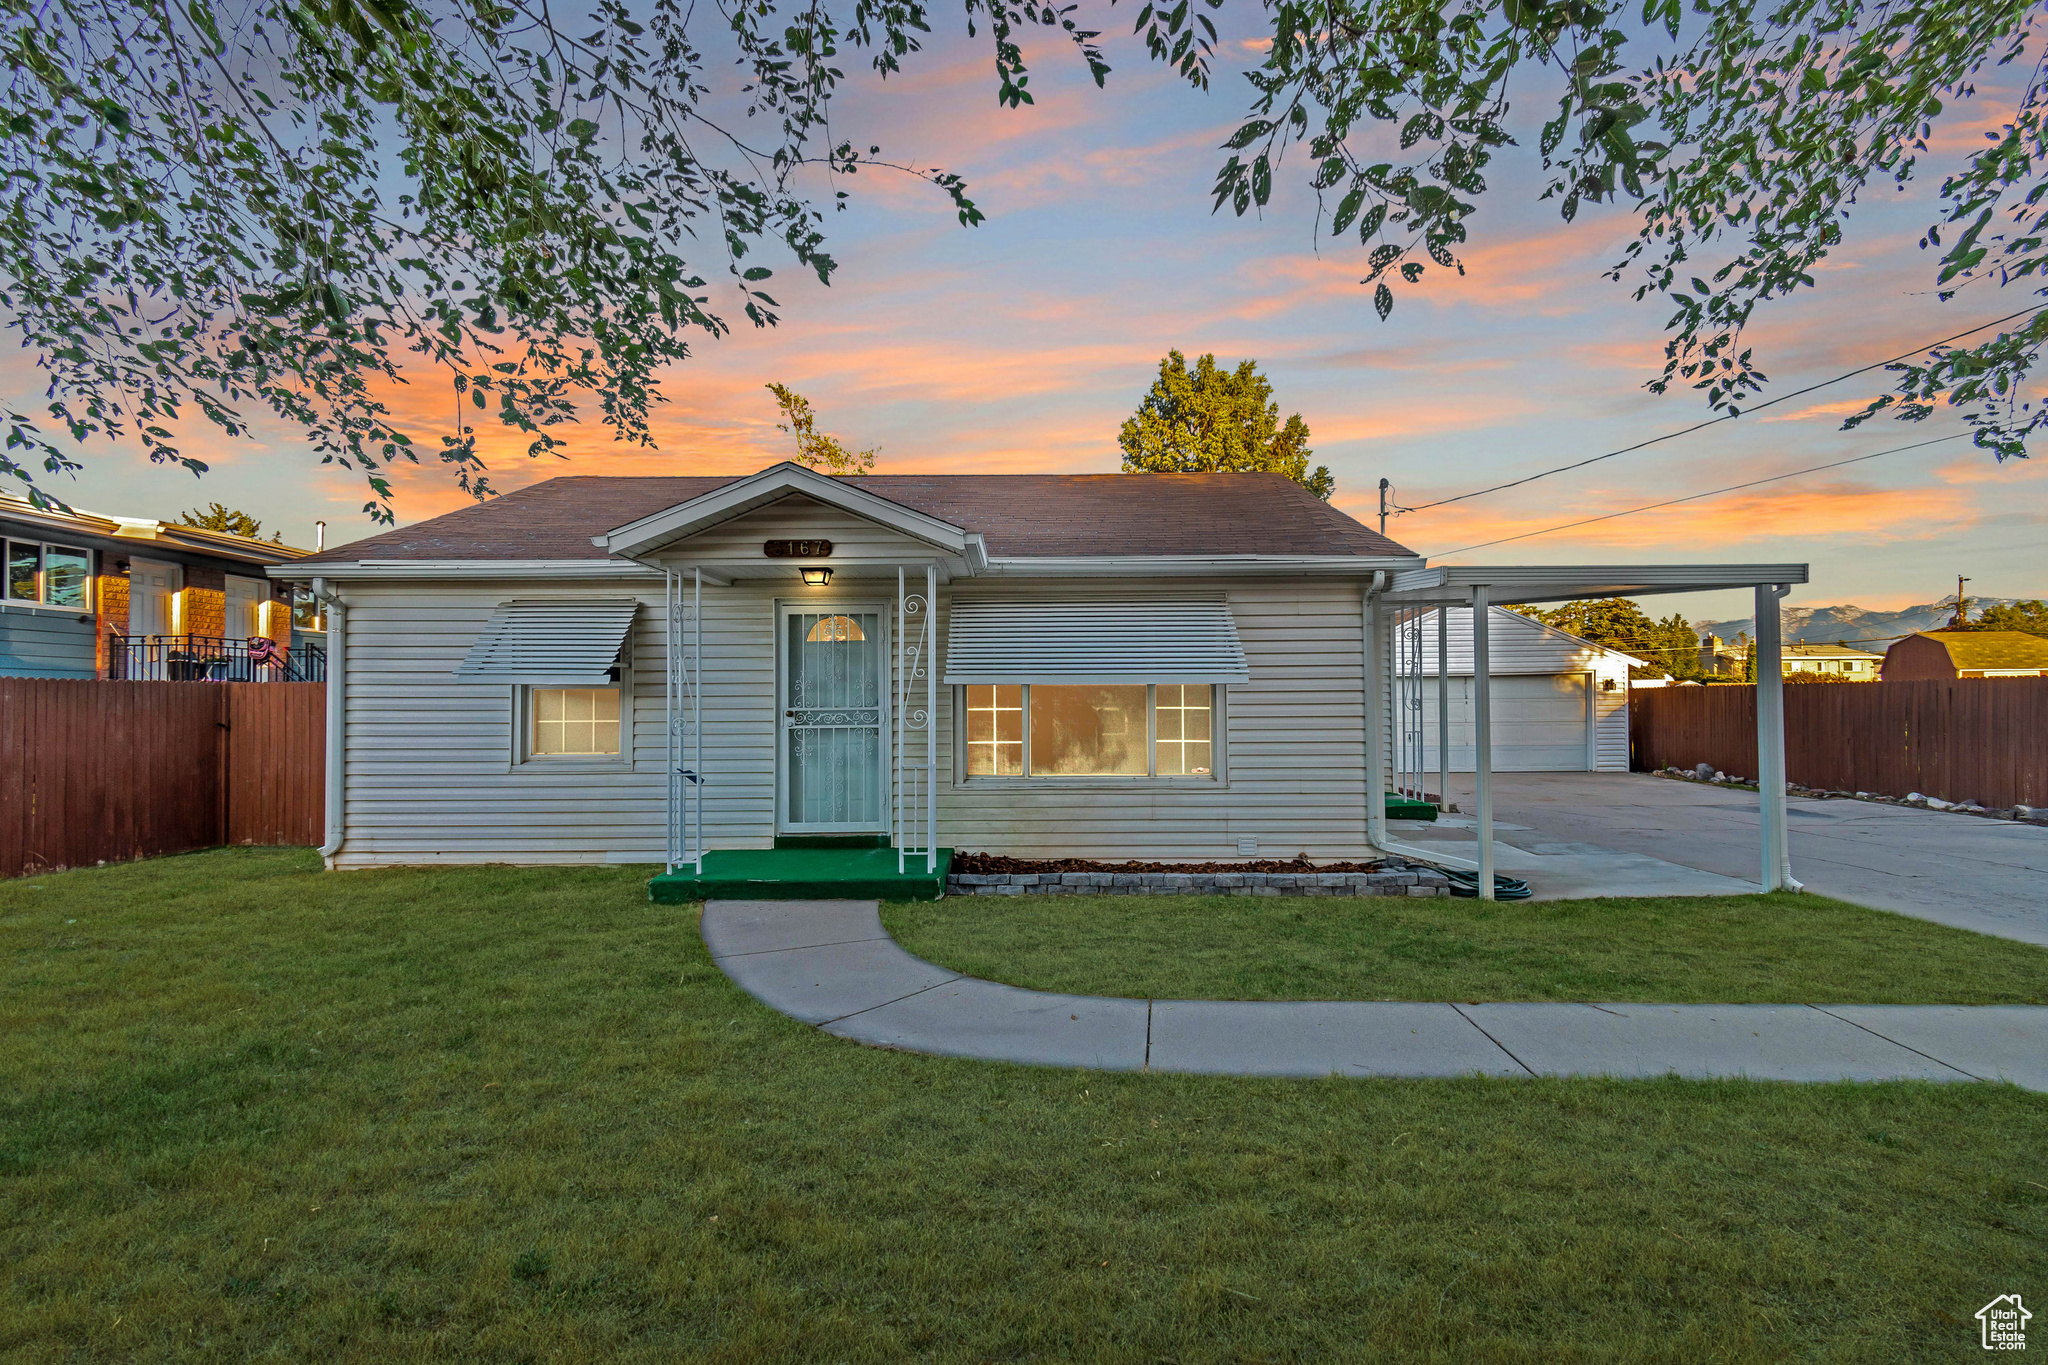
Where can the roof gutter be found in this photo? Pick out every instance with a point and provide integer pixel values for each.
(1184, 566)
(978, 563)
(373, 570)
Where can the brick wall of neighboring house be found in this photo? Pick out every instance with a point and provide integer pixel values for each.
(274, 618)
(202, 603)
(110, 600)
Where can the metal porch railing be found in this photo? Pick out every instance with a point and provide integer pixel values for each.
(209, 658)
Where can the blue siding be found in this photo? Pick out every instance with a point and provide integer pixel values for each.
(39, 644)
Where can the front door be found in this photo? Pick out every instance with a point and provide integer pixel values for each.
(150, 587)
(244, 597)
(834, 719)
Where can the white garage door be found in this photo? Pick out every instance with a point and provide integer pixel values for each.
(1541, 723)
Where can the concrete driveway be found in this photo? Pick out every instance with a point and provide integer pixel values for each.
(1986, 875)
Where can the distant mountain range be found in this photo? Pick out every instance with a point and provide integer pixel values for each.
(1854, 626)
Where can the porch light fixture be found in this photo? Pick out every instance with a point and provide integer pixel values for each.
(817, 577)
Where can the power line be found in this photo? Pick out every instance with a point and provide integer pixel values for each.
(1725, 417)
(1710, 493)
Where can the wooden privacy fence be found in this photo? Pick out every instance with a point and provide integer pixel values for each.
(1983, 739)
(94, 771)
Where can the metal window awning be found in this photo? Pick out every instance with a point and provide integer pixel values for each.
(1133, 640)
(560, 643)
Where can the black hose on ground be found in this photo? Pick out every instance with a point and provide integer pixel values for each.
(1505, 888)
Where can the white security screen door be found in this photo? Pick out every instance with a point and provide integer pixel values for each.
(834, 715)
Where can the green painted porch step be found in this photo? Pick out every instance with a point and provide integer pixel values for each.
(1408, 808)
(803, 873)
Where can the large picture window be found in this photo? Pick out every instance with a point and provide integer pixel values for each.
(48, 575)
(1077, 730)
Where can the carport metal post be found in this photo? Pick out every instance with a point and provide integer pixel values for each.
(1375, 668)
(1443, 705)
(1770, 739)
(1482, 737)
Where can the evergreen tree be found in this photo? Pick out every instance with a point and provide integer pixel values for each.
(216, 517)
(2031, 617)
(1208, 420)
(1670, 645)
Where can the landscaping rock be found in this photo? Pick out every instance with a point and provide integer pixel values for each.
(1392, 878)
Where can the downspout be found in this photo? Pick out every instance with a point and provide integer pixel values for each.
(1375, 739)
(337, 681)
(673, 831)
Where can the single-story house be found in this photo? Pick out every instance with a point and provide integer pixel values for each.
(92, 596)
(641, 669)
(1832, 661)
(1940, 655)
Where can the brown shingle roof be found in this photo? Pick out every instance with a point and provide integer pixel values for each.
(1992, 648)
(1019, 515)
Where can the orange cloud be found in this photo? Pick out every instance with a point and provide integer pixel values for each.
(1800, 514)
(1841, 408)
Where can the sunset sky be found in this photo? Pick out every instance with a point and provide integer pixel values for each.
(1021, 345)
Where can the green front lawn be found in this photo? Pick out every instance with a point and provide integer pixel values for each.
(248, 1110)
(1710, 949)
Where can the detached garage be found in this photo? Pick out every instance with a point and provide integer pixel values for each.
(1560, 703)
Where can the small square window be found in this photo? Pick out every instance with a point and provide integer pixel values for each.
(578, 722)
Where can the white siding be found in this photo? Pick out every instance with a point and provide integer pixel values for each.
(428, 773)
(430, 777)
(1526, 717)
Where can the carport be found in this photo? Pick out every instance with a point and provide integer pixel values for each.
(1392, 600)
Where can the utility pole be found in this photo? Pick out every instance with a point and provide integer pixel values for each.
(1962, 605)
(1384, 486)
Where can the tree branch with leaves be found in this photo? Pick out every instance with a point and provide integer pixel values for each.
(1739, 135)
(293, 209)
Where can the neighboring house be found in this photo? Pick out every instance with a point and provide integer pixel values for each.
(1944, 654)
(1724, 658)
(1840, 661)
(1560, 703)
(91, 596)
(1730, 659)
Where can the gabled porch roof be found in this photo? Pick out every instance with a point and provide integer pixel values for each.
(650, 533)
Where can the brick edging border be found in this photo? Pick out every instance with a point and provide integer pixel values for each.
(1419, 881)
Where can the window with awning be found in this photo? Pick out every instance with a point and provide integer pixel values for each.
(1129, 641)
(551, 644)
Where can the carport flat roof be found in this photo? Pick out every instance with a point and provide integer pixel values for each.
(1453, 584)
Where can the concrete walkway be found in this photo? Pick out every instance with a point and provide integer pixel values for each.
(833, 965)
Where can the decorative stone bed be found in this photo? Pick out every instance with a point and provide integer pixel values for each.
(1390, 879)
